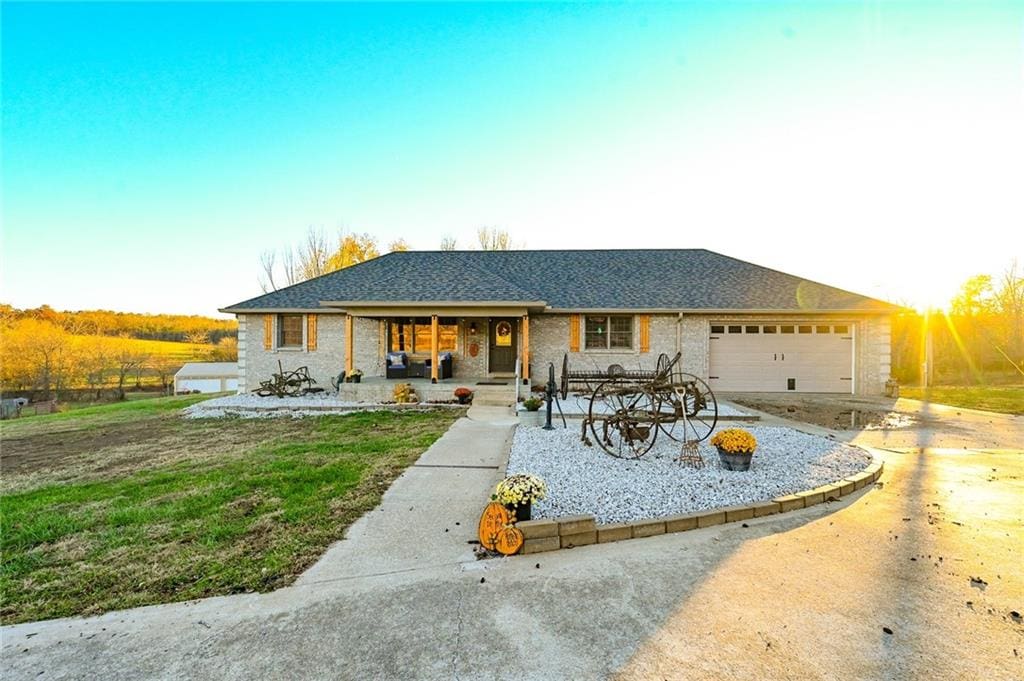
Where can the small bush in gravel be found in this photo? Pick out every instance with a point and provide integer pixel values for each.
(533, 403)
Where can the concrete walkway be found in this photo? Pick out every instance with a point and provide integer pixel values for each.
(425, 515)
(804, 595)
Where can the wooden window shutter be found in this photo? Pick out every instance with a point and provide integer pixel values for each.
(268, 332)
(645, 333)
(574, 333)
(311, 332)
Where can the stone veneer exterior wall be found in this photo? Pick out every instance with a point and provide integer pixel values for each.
(549, 341)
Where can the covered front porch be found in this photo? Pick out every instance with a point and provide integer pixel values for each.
(438, 343)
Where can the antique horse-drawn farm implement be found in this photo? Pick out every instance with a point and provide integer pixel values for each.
(288, 383)
(629, 408)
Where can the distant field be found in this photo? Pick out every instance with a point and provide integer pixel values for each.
(1007, 399)
(185, 352)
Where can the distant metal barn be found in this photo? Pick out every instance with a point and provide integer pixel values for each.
(207, 377)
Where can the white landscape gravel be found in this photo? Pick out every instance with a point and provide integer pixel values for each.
(249, 405)
(583, 479)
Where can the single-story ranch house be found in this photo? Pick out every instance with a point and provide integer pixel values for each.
(453, 316)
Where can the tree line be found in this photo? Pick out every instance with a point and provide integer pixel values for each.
(167, 327)
(317, 254)
(41, 356)
(978, 340)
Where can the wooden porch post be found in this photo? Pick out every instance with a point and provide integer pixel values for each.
(433, 349)
(349, 358)
(526, 349)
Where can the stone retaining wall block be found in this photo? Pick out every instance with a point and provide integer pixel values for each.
(537, 529)
(648, 528)
(812, 497)
(788, 503)
(709, 518)
(681, 523)
(765, 508)
(617, 532)
(574, 524)
(542, 544)
(734, 513)
(579, 539)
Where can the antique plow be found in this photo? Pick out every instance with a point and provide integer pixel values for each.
(629, 409)
(288, 383)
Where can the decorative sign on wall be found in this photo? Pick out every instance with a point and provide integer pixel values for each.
(496, 532)
(503, 334)
(474, 349)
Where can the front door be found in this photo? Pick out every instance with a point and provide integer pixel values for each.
(503, 346)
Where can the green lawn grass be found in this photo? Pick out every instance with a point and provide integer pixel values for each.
(1004, 398)
(248, 518)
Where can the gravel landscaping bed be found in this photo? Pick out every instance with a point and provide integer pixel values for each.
(583, 479)
(250, 405)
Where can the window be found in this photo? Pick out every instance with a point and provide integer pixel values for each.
(769, 329)
(805, 329)
(824, 329)
(753, 329)
(717, 329)
(786, 329)
(289, 331)
(604, 333)
(842, 328)
(412, 335)
(735, 329)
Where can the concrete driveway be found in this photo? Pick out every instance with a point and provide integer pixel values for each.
(811, 594)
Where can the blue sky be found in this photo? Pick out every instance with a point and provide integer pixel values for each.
(152, 151)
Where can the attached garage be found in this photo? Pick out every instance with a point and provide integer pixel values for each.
(808, 357)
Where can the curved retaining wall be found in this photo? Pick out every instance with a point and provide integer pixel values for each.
(550, 534)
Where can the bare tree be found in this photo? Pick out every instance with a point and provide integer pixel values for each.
(448, 243)
(494, 239)
(316, 256)
(268, 262)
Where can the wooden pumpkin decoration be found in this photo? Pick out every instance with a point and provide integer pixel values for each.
(493, 522)
(474, 349)
(510, 540)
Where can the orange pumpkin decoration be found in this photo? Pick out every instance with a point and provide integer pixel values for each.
(474, 349)
(494, 521)
(510, 540)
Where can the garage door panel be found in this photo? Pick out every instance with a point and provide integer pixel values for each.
(820, 361)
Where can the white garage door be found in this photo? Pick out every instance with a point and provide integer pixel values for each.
(766, 357)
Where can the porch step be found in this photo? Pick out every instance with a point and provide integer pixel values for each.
(494, 395)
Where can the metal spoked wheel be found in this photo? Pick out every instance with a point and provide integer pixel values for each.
(624, 421)
(688, 410)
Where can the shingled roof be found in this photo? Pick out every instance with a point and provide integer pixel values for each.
(684, 279)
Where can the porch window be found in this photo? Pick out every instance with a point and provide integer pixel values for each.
(412, 334)
(289, 331)
(608, 333)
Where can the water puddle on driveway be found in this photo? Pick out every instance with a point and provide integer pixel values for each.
(874, 421)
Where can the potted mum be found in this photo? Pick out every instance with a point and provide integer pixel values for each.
(518, 492)
(356, 376)
(735, 448)
(463, 395)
